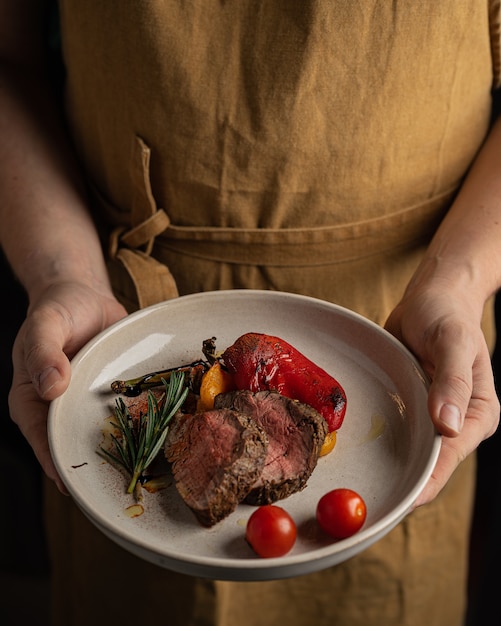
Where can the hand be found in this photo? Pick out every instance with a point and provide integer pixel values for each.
(443, 331)
(59, 323)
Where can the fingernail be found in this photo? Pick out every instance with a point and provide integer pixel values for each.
(47, 379)
(451, 417)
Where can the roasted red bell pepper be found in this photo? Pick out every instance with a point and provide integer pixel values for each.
(259, 362)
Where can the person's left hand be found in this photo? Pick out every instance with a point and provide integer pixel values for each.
(442, 329)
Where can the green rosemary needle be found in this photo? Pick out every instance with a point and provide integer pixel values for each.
(140, 440)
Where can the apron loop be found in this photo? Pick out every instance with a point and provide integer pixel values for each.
(152, 281)
(145, 232)
(114, 242)
(143, 201)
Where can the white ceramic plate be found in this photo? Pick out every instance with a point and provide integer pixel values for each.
(386, 448)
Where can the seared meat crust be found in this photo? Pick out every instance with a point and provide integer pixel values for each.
(216, 457)
(295, 434)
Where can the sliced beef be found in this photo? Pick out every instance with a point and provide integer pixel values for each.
(138, 405)
(295, 433)
(216, 457)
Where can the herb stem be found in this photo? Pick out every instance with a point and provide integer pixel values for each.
(139, 440)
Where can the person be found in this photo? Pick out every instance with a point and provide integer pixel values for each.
(339, 150)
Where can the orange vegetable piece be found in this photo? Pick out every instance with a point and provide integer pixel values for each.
(215, 380)
(329, 443)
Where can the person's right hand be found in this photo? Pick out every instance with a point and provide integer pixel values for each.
(62, 319)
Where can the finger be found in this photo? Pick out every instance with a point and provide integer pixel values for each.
(453, 451)
(31, 392)
(482, 420)
(454, 356)
(29, 412)
(482, 405)
(39, 349)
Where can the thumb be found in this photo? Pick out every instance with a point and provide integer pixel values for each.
(452, 384)
(41, 354)
(41, 373)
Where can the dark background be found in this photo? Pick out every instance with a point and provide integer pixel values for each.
(24, 565)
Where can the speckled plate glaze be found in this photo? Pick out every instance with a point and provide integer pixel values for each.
(386, 448)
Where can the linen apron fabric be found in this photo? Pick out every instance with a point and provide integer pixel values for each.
(301, 146)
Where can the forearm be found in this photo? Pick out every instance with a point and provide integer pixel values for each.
(46, 231)
(465, 253)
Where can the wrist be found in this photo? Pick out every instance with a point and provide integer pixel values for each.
(40, 270)
(459, 278)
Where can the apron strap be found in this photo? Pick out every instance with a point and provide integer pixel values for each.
(130, 249)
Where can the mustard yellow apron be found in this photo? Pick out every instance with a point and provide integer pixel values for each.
(302, 146)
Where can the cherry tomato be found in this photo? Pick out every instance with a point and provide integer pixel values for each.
(271, 531)
(341, 513)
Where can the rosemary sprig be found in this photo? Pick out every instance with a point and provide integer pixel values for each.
(140, 440)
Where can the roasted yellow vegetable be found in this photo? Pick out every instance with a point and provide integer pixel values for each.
(215, 380)
(329, 443)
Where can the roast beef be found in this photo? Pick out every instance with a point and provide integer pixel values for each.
(295, 433)
(216, 457)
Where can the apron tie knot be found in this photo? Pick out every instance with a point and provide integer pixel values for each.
(142, 234)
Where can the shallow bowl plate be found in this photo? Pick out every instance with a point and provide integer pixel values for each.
(386, 448)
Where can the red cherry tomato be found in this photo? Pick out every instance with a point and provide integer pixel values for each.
(341, 513)
(271, 531)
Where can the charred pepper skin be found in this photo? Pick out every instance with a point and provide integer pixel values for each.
(258, 362)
